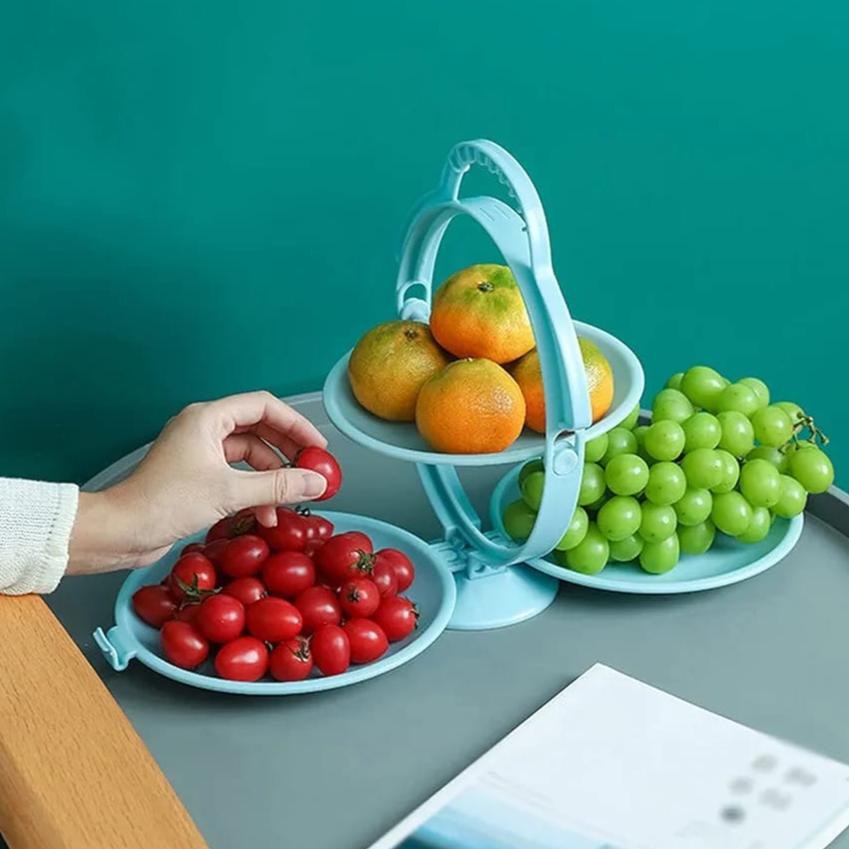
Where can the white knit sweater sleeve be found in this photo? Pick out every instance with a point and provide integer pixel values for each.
(36, 519)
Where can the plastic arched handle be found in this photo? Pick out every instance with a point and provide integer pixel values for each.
(522, 237)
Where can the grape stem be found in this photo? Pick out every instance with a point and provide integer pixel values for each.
(805, 422)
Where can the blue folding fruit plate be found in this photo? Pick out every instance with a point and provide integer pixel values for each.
(474, 578)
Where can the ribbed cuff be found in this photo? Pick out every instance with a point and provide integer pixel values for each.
(36, 520)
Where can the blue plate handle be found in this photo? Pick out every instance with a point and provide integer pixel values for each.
(521, 234)
(117, 652)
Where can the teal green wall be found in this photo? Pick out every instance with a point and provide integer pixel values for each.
(203, 197)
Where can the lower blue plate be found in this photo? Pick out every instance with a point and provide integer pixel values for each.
(727, 562)
(434, 593)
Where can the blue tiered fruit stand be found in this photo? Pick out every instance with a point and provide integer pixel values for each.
(493, 587)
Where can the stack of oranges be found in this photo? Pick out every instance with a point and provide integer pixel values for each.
(471, 380)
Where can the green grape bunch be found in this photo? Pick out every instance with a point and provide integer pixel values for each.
(715, 458)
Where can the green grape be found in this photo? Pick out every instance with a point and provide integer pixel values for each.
(674, 382)
(760, 389)
(671, 405)
(793, 410)
(772, 455)
(595, 449)
(812, 468)
(697, 539)
(632, 418)
(626, 474)
(760, 483)
(731, 513)
(518, 520)
(664, 440)
(701, 430)
(576, 531)
(667, 483)
(640, 432)
(591, 554)
(599, 503)
(737, 396)
(534, 465)
(619, 517)
(703, 468)
(659, 521)
(772, 426)
(626, 550)
(792, 500)
(694, 507)
(620, 440)
(592, 484)
(532, 488)
(758, 527)
(730, 472)
(703, 385)
(738, 436)
(661, 556)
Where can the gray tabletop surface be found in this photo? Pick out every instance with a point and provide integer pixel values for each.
(335, 770)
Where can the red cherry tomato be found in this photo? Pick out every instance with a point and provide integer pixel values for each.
(367, 640)
(243, 659)
(403, 567)
(288, 573)
(188, 612)
(384, 576)
(312, 547)
(213, 550)
(318, 606)
(221, 618)
(292, 660)
(331, 649)
(290, 534)
(323, 527)
(323, 462)
(183, 645)
(247, 590)
(154, 605)
(243, 556)
(244, 522)
(359, 598)
(344, 556)
(398, 617)
(273, 619)
(193, 546)
(192, 574)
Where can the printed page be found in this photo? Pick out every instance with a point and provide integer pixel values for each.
(612, 763)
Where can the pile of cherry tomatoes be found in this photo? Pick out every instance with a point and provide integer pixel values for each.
(280, 601)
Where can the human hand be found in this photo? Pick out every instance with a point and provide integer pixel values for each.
(185, 482)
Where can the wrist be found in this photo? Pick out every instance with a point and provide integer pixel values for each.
(99, 539)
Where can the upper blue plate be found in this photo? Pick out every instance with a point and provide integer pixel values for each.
(403, 441)
(727, 562)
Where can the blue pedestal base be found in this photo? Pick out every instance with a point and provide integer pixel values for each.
(505, 598)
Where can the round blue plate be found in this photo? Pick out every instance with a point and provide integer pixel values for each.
(727, 562)
(403, 441)
(433, 592)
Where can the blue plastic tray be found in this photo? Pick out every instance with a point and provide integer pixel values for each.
(402, 440)
(433, 591)
(727, 562)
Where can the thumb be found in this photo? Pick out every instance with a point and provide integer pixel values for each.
(278, 486)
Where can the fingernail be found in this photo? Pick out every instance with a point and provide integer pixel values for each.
(314, 484)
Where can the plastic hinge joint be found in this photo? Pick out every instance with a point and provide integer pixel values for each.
(117, 654)
(459, 556)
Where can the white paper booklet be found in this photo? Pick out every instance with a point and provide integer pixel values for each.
(611, 763)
